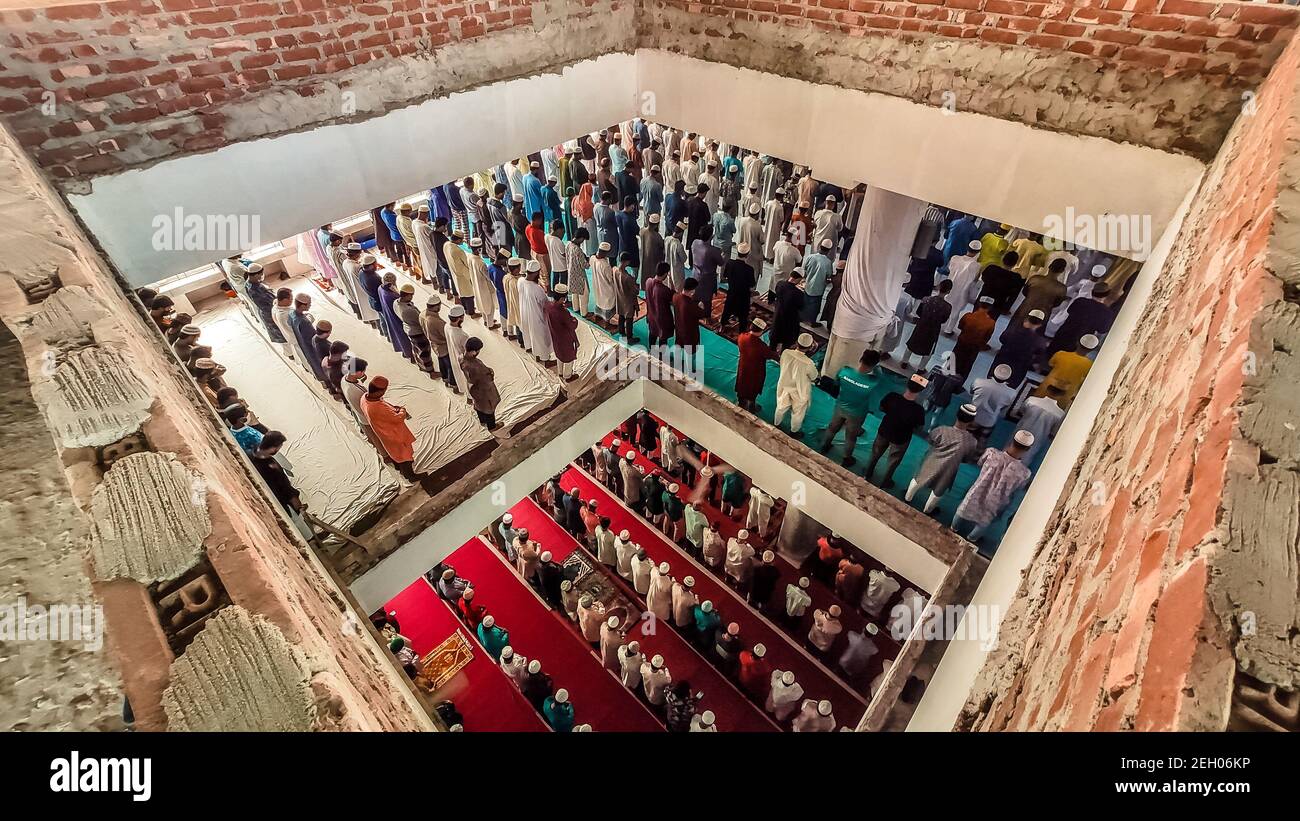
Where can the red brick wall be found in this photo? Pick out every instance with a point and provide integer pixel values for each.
(1130, 614)
(133, 71)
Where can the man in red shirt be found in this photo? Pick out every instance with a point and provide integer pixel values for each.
(536, 235)
(687, 314)
(755, 673)
(751, 369)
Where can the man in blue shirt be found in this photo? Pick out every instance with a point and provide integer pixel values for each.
(960, 233)
(859, 392)
(817, 268)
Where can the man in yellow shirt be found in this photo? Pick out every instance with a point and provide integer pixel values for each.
(993, 245)
(1032, 254)
(1069, 369)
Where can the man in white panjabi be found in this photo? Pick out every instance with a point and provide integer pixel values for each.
(797, 598)
(794, 385)
(826, 628)
(514, 276)
(827, 224)
(684, 601)
(456, 340)
(604, 283)
(641, 567)
(784, 694)
(629, 664)
(668, 441)
(659, 599)
(514, 665)
(655, 678)
(760, 510)
(964, 271)
(703, 722)
(625, 549)
(485, 293)
(814, 717)
(749, 232)
(532, 315)
(611, 638)
(773, 224)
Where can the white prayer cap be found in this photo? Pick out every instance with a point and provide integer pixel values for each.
(534, 265)
(456, 310)
(1002, 372)
(759, 651)
(768, 556)
(561, 288)
(826, 243)
(566, 585)
(681, 224)
(733, 629)
(831, 198)
(663, 568)
(518, 198)
(787, 678)
(657, 662)
(423, 209)
(353, 246)
(582, 728)
(742, 248)
(604, 246)
(546, 556)
(449, 574)
(482, 192)
(630, 455)
(1098, 271)
(805, 340)
(255, 268)
(489, 622)
(624, 535)
(611, 622)
(469, 593)
(654, 219)
(475, 243)
(753, 208)
(561, 695)
(872, 629)
(534, 164)
(367, 259)
(691, 189)
(803, 582)
(759, 324)
(654, 168)
(780, 191)
(986, 300)
(634, 647)
(742, 535)
(674, 487)
(617, 442)
(507, 653)
(456, 728)
(689, 581)
(823, 707)
(975, 245)
(1024, 438)
(834, 610)
(514, 262)
(508, 518)
(707, 607)
(967, 412)
(551, 178)
(1089, 341)
(1037, 314)
(706, 718)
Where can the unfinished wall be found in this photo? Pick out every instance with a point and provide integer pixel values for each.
(91, 88)
(1164, 73)
(226, 568)
(1165, 595)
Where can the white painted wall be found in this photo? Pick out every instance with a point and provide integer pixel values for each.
(986, 166)
(963, 660)
(445, 536)
(305, 179)
(821, 503)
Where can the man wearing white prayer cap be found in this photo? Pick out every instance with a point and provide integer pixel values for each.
(784, 694)
(655, 679)
(814, 717)
(1002, 474)
(964, 271)
(532, 316)
(703, 722)
(629, 664)
(659, 599)
(950, 446)
(991, 396)
(827, 226)
(457, 339)
(604, 283)
(632, 482)
(1068, 369)
(794, 386)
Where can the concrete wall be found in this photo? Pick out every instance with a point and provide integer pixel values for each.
(1164, 595)
(232, 582)
(1164, 73)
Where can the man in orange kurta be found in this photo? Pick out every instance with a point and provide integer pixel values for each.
(388, 421)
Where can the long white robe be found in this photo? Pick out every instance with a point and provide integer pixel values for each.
(660, 597)
(456, 339)
(641, 574)
(760, 510)
(749, 229)
(826, 225)
(425, 246)
(485, 293)
(512, 299)
(785, 258)
(656, 683)
(770, 179)
(348, 270)
(675, 256)
(461, 273)
(630, 667)
(773, 224)
(1042, 417)
(964, 271)
(782, 701)
(532, 320)
(602, 275)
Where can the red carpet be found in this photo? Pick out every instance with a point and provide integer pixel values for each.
(537, 632)
(733, 710)
(485, 697)
(783, 652)
(823, 596)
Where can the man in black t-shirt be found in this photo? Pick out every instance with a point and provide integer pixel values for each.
(273, 474)
(1002, 283)
(903, 415)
